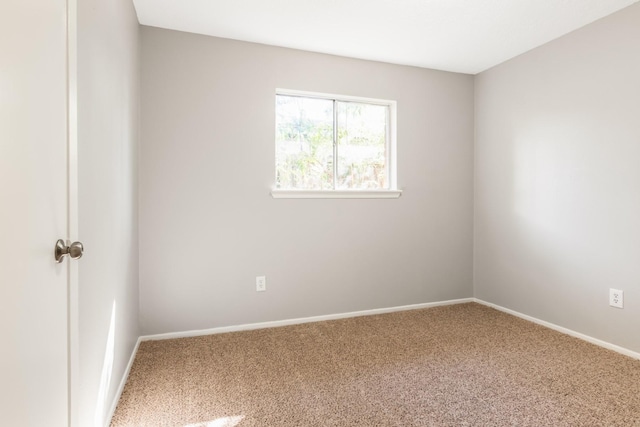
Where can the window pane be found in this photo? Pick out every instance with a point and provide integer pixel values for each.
(304, 143)
(362, 146)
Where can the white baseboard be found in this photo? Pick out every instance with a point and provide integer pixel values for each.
(123, 381)
(564, 330)
(287, 322)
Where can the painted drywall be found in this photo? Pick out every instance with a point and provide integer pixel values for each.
(208, 225)
(557, 182)
(108, 104)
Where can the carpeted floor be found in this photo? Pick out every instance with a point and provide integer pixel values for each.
(459, 365)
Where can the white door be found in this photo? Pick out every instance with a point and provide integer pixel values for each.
(34, 346)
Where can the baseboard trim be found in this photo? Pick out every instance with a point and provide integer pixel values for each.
(287, 322)
(123, 381)
(562, 329)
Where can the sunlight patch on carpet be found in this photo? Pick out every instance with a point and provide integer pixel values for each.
(220, 422)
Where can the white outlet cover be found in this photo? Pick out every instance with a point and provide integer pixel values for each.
(616, 298)
(261, 283)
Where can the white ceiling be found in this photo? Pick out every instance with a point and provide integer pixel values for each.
(466, 36)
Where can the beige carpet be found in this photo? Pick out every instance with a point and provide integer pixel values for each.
(460, 365)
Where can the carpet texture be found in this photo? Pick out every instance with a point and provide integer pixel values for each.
(459, 365)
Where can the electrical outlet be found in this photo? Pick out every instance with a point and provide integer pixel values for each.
(616, 298)
(261, 283)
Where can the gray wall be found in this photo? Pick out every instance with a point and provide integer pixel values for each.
(108, 92)
(208, 224)
(557, 180)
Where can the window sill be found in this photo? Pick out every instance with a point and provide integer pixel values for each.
(336, 194)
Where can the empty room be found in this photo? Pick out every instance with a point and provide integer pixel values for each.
(320, 213)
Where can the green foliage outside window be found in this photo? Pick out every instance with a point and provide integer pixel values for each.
(305, 144)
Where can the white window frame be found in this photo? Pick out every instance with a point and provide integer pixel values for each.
(392, 193)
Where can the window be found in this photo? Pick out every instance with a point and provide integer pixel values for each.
(334, 146)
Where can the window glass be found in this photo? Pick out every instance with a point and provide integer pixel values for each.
(331, 143)
(362, 146)
(304, 143)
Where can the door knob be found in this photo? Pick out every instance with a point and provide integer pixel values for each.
(74, 250)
